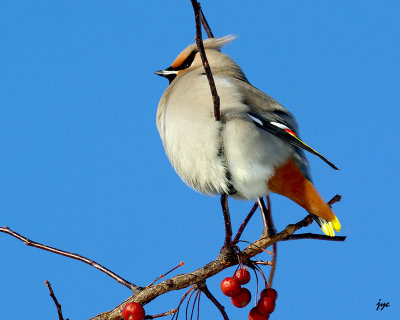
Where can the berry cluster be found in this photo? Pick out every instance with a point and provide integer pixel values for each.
(133, 311)
(232, 287)
(240, 297)
(265, 306)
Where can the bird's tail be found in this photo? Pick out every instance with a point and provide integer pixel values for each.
(326, 225)
(290, 182)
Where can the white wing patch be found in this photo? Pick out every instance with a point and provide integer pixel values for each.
(255, 119)
(279, 125)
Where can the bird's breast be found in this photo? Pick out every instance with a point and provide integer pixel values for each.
(229, 156)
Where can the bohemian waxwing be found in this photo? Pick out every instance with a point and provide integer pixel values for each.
(255, 148)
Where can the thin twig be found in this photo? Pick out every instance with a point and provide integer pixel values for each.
(274, 246)
(205, 23)
(314, 237)
(168, 313)
(207, 69)
(52, 295)
(335, 199)
(203, 287)
(75, 256)
(244, 224)
(263, 263)
(163, 275)
(259, 245)
(228, 225)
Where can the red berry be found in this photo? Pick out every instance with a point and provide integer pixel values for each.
(243, 275)
(269, 292)
(266, 305)
(255, 315)
(242, 299)
(133, 311)
(230, 286)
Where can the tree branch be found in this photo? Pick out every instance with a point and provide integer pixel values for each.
(244, 224)
(205, 23)
(144, 296)
(207, 69)
(274, 246)
(228, 226)
(168, 313)
(52, 295)
(314, 237)
(71, 255)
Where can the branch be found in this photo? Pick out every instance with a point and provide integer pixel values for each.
(205, 23)
(314, 236)
(335, 199)
(244, 224)
(168, 313)
(145, 295)
(228, 226)
(207, 69)
(52, 295)
(75, 256)
(274, 246)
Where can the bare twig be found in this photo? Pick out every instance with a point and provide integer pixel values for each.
(58, 305)
(244, 224)
(168, 313)
(75, 256)
(203, 287)
(263, 263)
(274, 246)
(205, 23)
(314, 237)
(163, 275)
(335, 199)
(207, 69)
(228, 226)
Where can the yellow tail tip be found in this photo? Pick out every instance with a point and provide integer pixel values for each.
(336, 224)
(327, 228)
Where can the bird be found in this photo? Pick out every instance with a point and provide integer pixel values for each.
(253, 150)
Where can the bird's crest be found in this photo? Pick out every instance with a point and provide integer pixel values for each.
(211, 43)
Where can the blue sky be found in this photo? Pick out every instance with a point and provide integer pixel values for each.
(83, 168)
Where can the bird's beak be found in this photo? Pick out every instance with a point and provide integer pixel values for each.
(166, 73)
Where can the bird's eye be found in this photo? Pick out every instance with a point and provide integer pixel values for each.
(188, 61)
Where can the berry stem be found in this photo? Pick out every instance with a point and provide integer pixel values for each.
(203, 287)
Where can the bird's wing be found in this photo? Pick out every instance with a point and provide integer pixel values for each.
(269, 115)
